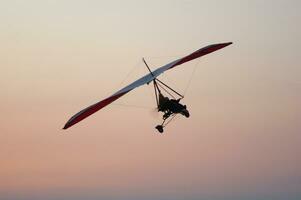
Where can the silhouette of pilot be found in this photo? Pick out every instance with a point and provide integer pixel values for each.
(169, 106)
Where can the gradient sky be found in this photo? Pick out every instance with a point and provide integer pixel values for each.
(242, 141)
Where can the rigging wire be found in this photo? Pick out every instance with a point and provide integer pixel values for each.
(171, 119)
(190, 78)
(133, 69)
(133, 106)
(166, 91)
(129, 73)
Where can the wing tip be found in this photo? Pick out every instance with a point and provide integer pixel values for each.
(223, 45)
(65, 127)
(227, 43)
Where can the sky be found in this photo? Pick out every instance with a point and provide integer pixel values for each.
(242, 141)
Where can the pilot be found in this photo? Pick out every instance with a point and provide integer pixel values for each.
(163, 103)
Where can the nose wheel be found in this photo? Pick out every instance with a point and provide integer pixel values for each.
(160, 128)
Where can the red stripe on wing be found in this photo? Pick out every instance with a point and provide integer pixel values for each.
(91, 109)
(201, 52)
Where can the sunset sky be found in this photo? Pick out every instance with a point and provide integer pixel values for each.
(242, 141)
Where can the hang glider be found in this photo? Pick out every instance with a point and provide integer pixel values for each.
(152, 76)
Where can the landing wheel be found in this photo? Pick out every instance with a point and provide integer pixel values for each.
(160, 128)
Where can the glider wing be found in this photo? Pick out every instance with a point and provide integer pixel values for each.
(145, 79)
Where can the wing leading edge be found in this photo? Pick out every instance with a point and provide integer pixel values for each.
(145, 79)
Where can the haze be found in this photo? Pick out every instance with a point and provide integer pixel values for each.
(242, 141)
